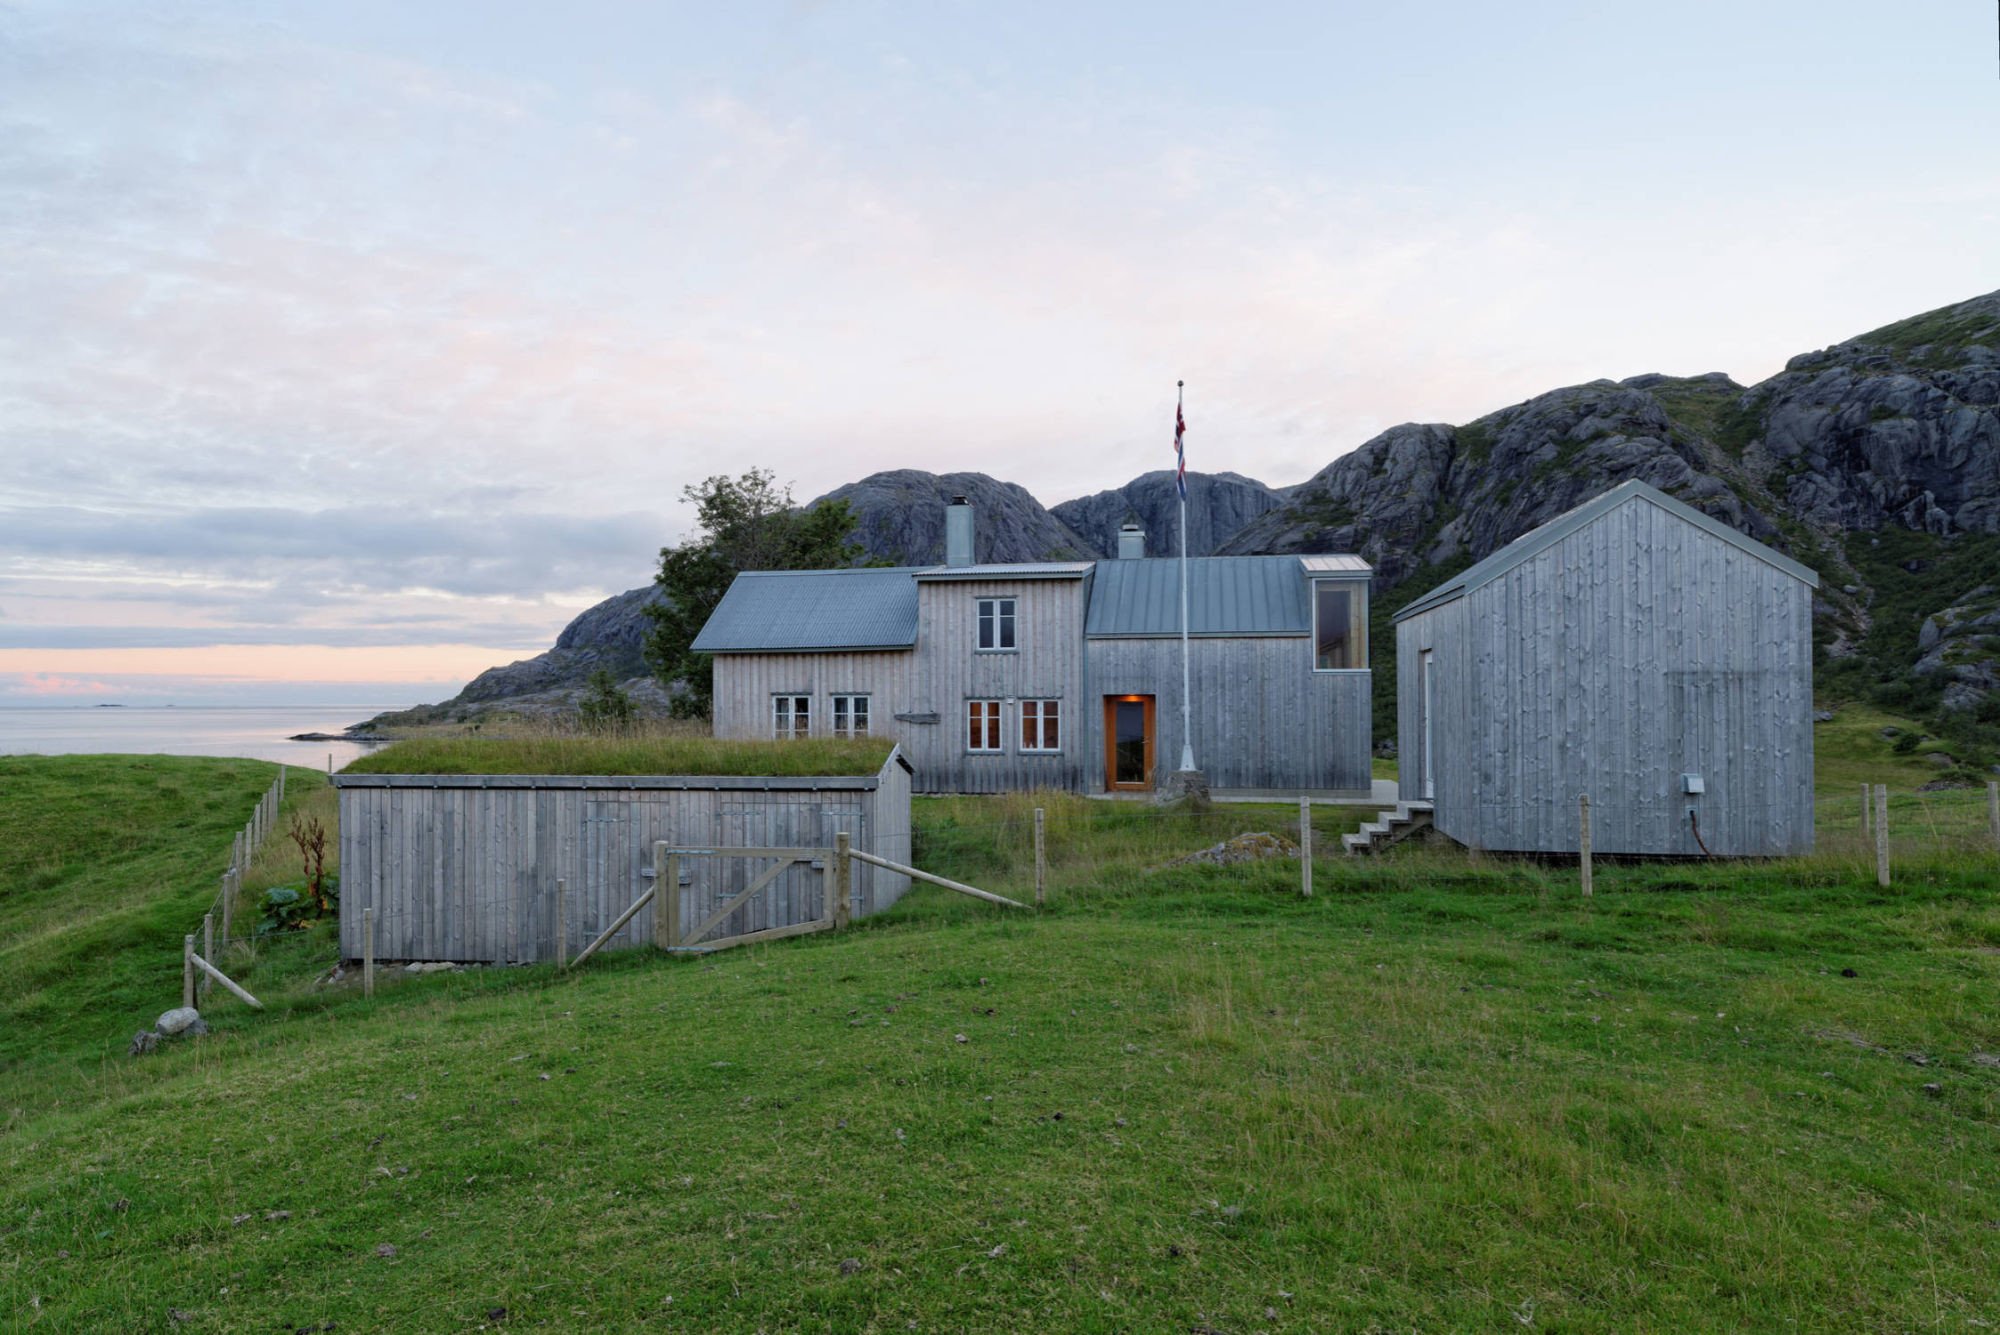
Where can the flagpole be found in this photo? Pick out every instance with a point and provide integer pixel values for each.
(1187, 712)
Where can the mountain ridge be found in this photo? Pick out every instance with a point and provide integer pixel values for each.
(1875, 460)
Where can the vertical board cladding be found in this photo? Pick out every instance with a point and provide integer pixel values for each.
(1262, 718)
(466, 868)
(1047, 663)
(746, 684)
(1629, 652)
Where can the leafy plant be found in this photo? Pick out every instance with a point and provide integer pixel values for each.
(293, 908)
(604, 707)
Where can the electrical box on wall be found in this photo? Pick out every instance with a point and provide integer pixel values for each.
(1692, 785)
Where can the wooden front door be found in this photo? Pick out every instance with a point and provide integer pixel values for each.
(1128, 743)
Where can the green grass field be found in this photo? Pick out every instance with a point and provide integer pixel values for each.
(1443, 1094)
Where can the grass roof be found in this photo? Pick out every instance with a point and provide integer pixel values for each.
(613, 755)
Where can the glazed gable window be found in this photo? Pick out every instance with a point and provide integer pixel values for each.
(996, 624)
(1340, 625)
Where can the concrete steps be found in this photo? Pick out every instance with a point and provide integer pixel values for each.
(1391, 827)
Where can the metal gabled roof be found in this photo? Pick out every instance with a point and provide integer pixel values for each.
(779, 611)
(1227, 595)
(1537, 540)
(1013, 570)
(1342, 563)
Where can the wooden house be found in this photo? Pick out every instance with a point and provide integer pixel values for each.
(1061, 674)
(1634, 650)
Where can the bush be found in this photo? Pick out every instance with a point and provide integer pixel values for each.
(293, 908)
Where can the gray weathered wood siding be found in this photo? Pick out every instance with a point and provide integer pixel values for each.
(1262, 717)
(465, 867)
(1634, 650)
(745, 685)
(951, 671)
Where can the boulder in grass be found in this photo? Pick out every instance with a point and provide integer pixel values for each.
(143, 1042)
(1243, 848)
(181, 1021)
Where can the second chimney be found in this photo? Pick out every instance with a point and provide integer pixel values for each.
(958, 532)
(1131, 542)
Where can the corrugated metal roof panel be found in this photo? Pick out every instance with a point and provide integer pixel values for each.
(1016, 570)
(1227, 595)
(775, 611)
(1537, 540)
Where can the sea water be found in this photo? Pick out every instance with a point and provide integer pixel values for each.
(261, 732)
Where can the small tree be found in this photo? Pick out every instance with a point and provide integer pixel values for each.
(746, 523)
(604, 707)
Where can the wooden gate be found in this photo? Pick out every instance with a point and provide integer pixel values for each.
(835, 892)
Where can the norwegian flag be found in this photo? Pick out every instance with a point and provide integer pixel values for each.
(1180, 451)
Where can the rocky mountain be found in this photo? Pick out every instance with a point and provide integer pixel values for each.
(1875, 461)
(1220, 505)
(900, 518)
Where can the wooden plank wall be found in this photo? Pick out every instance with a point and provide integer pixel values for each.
(468, 873)
(1634, 650)
(1262, 717)
(951, 671)
(745, 684)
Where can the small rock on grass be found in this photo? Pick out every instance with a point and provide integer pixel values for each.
(386, 1251)
(850, 1266)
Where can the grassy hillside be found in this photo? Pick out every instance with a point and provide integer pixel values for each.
(1443, 1094)
(105, 862)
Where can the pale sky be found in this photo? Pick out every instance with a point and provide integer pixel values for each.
(348, 349)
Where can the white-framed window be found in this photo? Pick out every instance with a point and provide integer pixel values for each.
(996, 624)
(1041, 725)
(1340, 625)
(791, 717)
(982, 726)
(850, 716)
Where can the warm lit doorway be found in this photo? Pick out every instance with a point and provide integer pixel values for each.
(1128, 743)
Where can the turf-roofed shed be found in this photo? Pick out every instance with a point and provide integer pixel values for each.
(465, 866)
(1633, 650)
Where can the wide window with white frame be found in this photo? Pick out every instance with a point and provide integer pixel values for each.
(1041, 725)
(1340, 625)
(791, 717)
(982, 726)
(996, 625)
(850, 716)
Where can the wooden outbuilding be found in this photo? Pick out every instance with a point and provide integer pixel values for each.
(1633, 650)
(467, 867)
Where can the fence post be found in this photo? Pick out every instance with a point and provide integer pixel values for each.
(660, 934)
(207, 950)
(843, 881)
(1583, 839)
(562, 924)
(1305, 848)
(1041, 861)
(1882, 834)
(1993, 811)
(670, 903)
(228, 905)
(368, 952)
(187, 970)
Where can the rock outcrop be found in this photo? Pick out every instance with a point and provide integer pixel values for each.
(900, 518)
(1220, 505)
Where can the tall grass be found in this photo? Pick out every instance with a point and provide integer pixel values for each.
(640, 751)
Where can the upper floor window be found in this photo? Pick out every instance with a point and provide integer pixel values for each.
(1041, 725)
(850, 716)
(791, 716)
(996, 623)
(982, 731)
(1340, 625)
